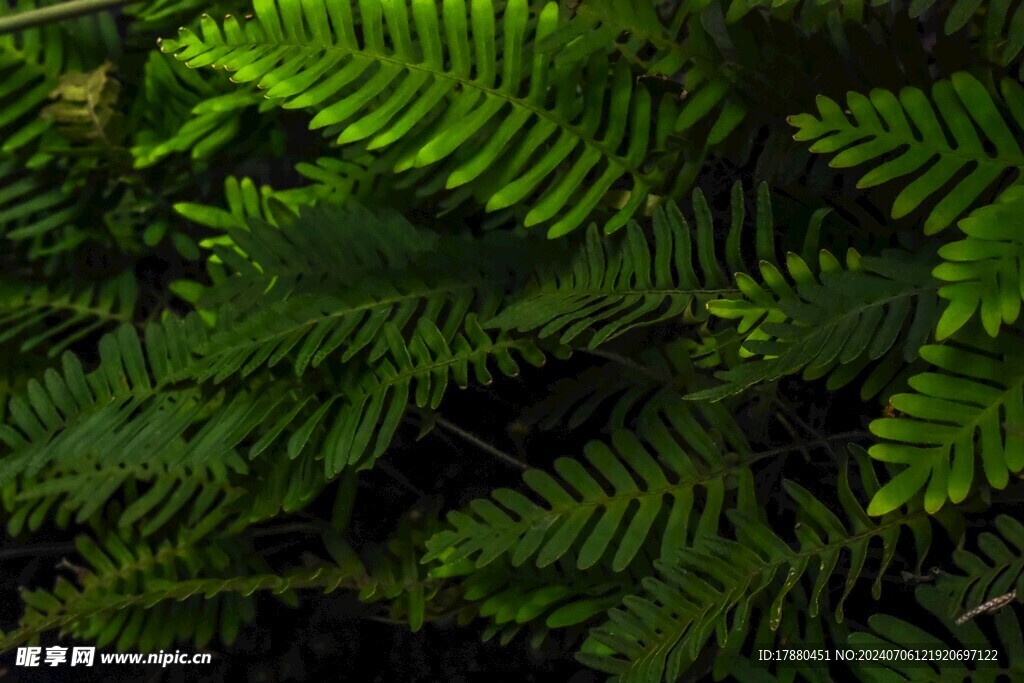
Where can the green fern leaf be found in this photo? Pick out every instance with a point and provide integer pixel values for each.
(969, 407)
(641, 473)
(559, 596)
(985, 270)
(612, 395)
(154, 491)
(373, 400)
(885, 124)
(414, 339)
(65, 316)
(611, 287)
(34, 212)
(142, 597)
(715, 586)
(181, 111)
(992, 580)
(400, 83)
(889, 632)
(874, 312)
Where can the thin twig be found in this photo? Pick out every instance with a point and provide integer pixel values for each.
(400, 478)
(629, 363)
(48, 15)
(842, 436)
(480, 443)
(291, 528)
(42, 549)
(781, 417)
(793, 415)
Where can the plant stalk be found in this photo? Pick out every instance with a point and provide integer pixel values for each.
(54, 13)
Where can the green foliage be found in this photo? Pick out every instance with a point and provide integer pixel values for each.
(31, 64)
(983, 149)
(182, 112)
(970, 407)
(40, 316)
(32, 210)
(986, 581)
(411, 74)
(717, 586)
(984, 269)
(875, 311)
(525, 530)
(230, 330)
(889, 631)
(613, 286)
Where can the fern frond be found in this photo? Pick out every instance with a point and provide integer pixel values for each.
(144, 598)
(874, 312)
(970, 407)
(883, 132)
(614, 285)
(336, 180)
(332, 277)
(245, 203)
(181, 111)
(152, 492)
(1000, 24)
(712, 100)
(278, 486)
(35, 212)
(393, 574)
(333, 181)
(326, 249)
(715, 586)
(889, 632)
(374, 400)
(60, 317)
(611, 396)
(29, 75)
(624, 486)
(144, 397)
(556, 597)
(400, 83)
(985, 271)
(999, 573)
(129, 405)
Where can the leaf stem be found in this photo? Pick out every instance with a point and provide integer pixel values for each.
(843, 436)
(54, 13)
(479, 443)
(36, 550)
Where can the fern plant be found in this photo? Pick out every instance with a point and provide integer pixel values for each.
(559, 322)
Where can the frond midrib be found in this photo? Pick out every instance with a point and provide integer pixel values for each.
(971, 427)
(523, 103)
(773, 566)
(35, 303)
(936, 149)
(452, 359)
(607, 501)
(327, 578)
(852, 313)
(454, 287)
(140, 472)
